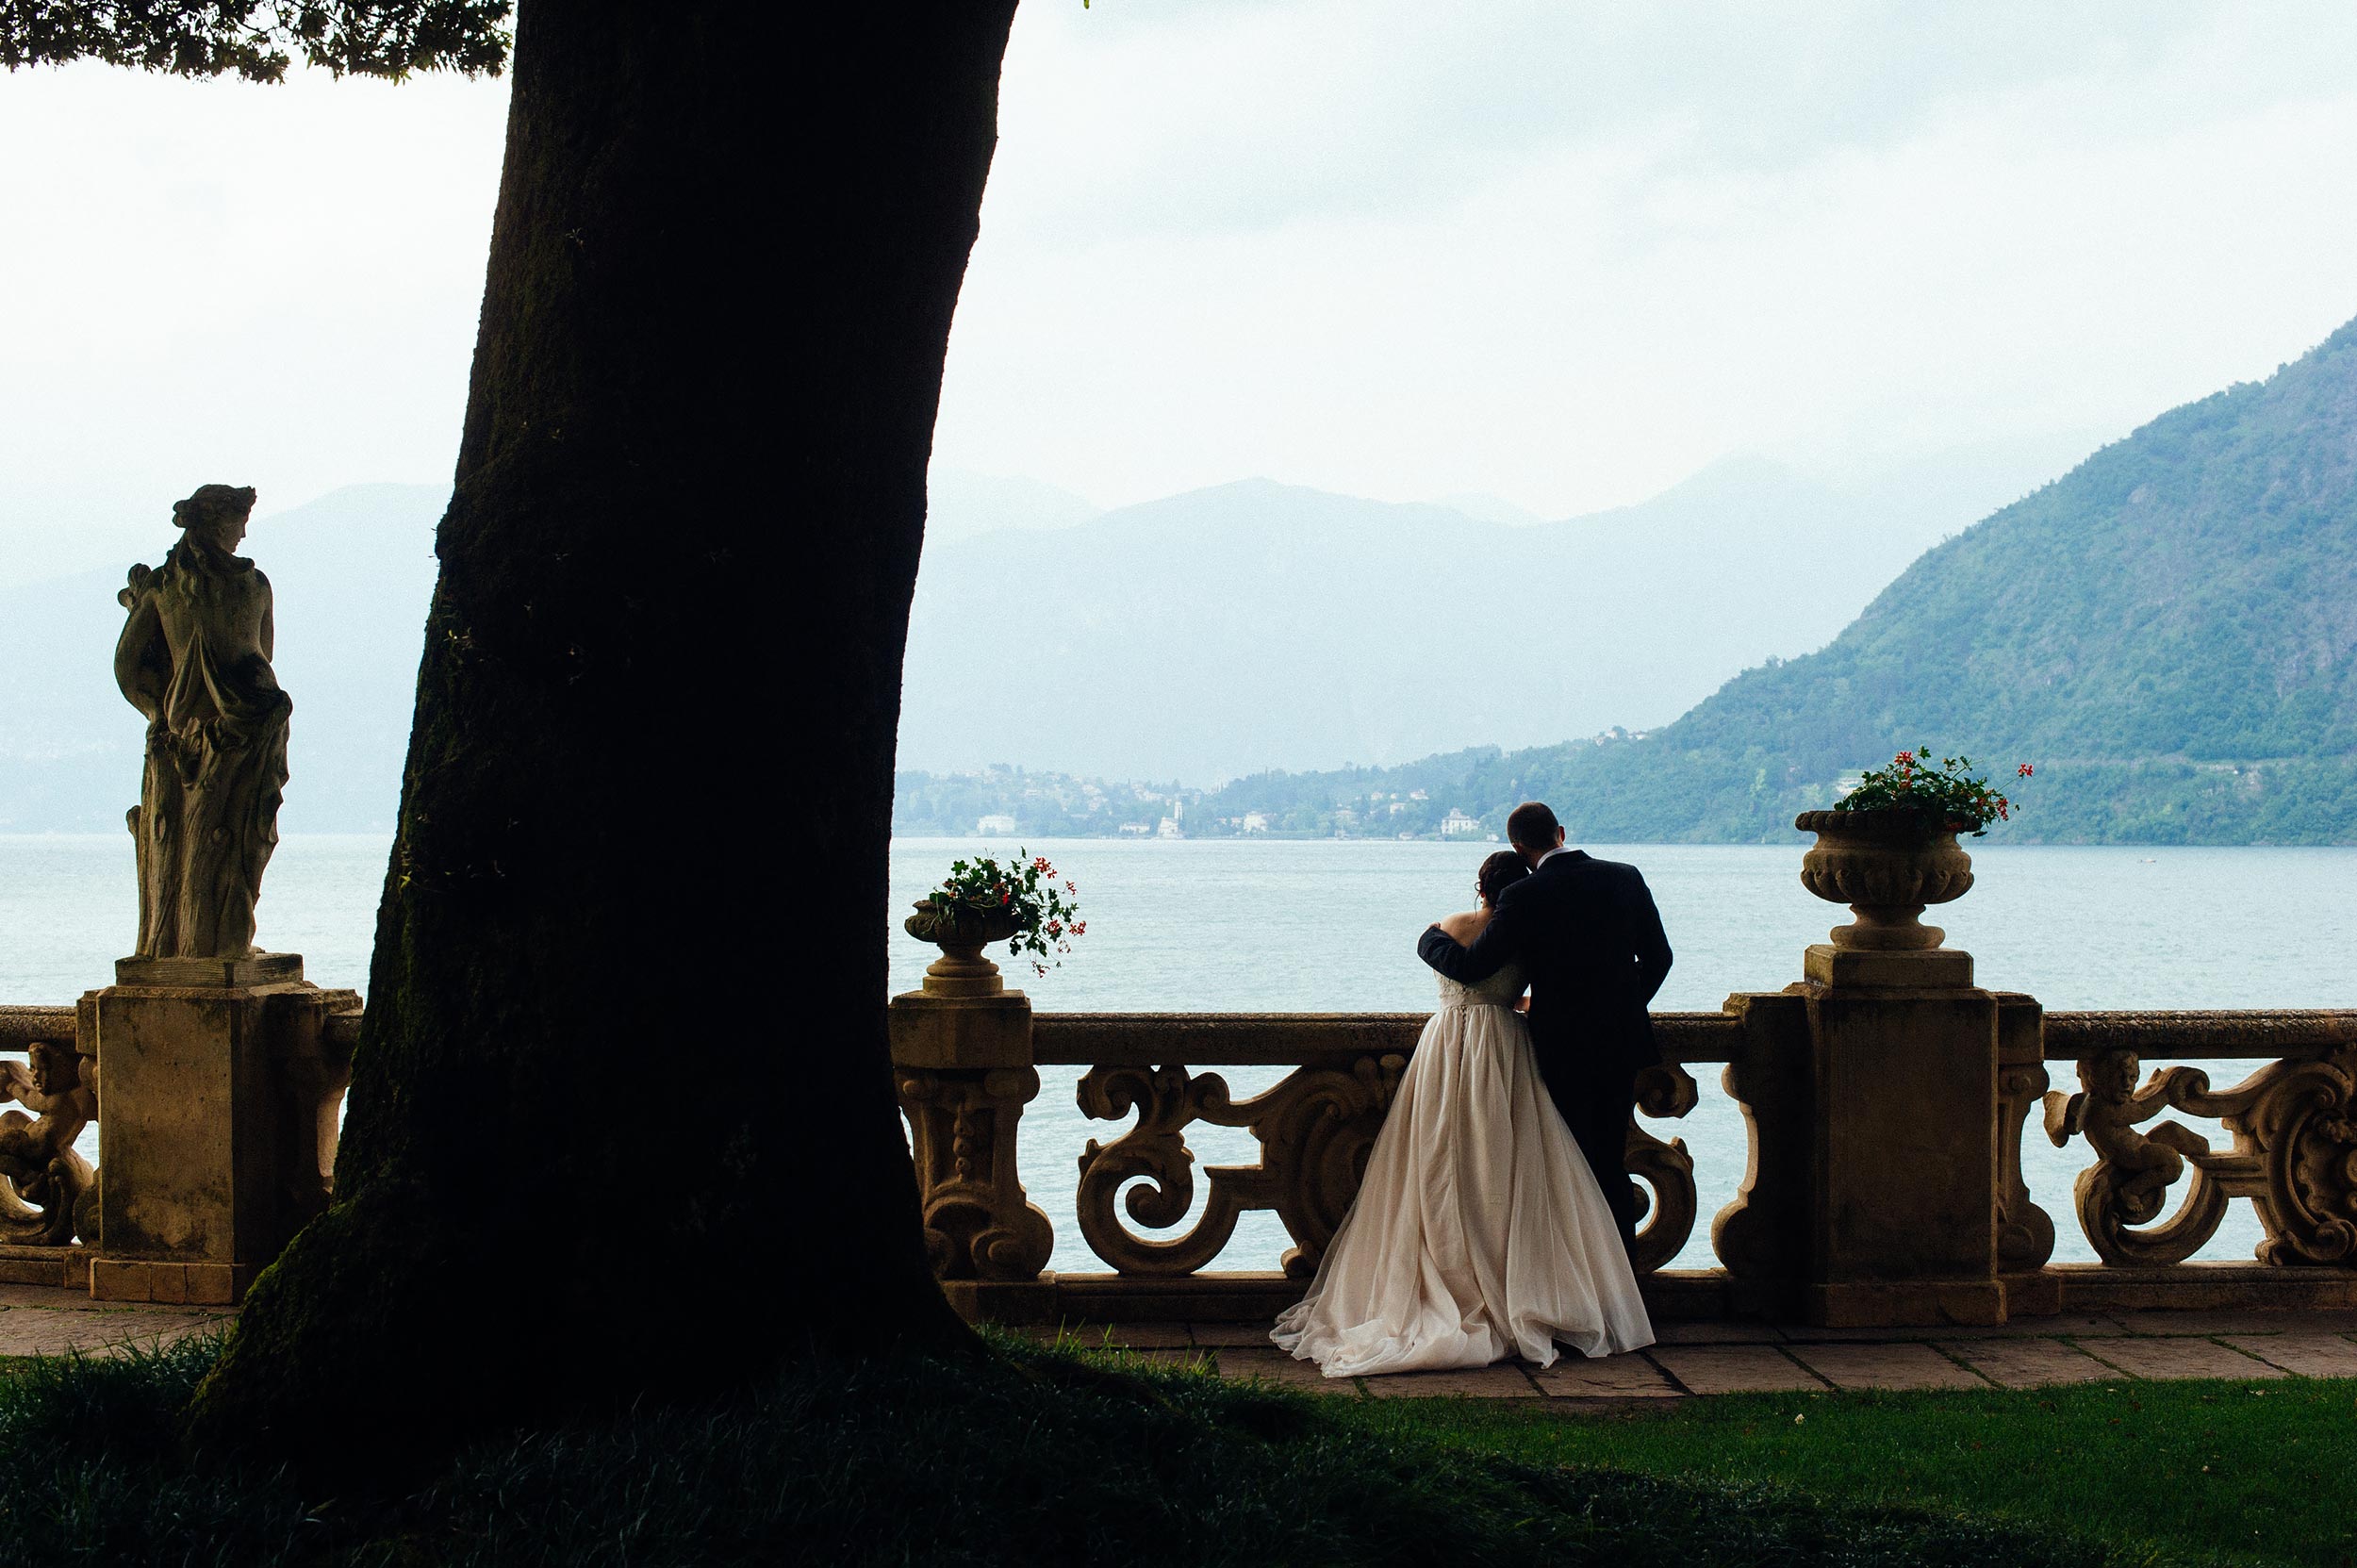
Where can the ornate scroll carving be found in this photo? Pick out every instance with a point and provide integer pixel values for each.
(43, 1179)
(2302, 1118)
(2295, 1129)
(1315, 1128)
(1666, 1168)
(979, 1223)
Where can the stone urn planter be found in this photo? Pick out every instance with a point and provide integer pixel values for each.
(961, 931)
(1886, 866)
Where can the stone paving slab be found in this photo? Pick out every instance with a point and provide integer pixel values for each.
(1716, 1333)
(1504, 1381)
(1223, 1336)
(2023, 1327)
(58, 1330)
(1604, 1378)
(1733, 1368)
(2208, 1325)
(2178, 1358)
(2309, 1354)
(1902, 1365)
(1274, 1365)
(50, 1299)
(2028, 1362)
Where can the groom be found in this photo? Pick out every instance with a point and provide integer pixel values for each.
(1587, 934)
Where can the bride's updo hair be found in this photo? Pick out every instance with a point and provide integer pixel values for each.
(1498, 874)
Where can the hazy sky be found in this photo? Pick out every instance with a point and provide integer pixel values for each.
(1562, 254)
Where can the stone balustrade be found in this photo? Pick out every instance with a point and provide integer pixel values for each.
(1809, 1234)
(2292, 1122)
(1882, 1182)
(1315, 1127)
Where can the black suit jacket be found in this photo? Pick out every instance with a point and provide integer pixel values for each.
(1587, 935)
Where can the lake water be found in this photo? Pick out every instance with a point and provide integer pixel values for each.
(1255, 925)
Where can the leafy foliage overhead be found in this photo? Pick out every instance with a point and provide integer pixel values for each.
(253, 38)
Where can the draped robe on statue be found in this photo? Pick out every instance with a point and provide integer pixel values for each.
(194, 657)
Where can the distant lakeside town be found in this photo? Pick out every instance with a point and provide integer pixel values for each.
(999, 801)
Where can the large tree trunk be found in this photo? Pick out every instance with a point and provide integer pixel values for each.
(622, 1120)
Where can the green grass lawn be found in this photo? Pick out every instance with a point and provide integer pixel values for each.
(2241, 1472)
(1032, 1456)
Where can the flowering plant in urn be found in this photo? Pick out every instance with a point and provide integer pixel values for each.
(1888, 847)
(1962, 800)
(1022, 902)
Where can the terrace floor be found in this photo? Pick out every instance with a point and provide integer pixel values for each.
(42, 1320)
(1691, 1359)
(1749, 1358)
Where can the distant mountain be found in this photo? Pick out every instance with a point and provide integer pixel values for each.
(962, 505)
(2170, 633)
(1490, 508)
(351, 573)
(1256, 625)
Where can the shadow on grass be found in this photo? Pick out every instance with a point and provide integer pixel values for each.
(1041, 1456)
(2249, 1470)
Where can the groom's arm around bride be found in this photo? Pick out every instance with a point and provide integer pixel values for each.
(1587, 934)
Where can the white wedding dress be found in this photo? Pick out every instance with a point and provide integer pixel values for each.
(1480, 1229)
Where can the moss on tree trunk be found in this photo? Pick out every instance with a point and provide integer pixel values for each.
(623, 1120)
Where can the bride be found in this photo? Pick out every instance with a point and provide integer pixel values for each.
(1479, 1230)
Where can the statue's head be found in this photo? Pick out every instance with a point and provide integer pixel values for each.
(215, 513)
(54, 1071)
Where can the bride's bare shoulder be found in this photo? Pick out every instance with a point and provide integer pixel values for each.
(1464, 927)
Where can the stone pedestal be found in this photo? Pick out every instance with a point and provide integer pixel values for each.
(962, 1062)
(220, 1085)
(1904, 1060)
(1851, 968)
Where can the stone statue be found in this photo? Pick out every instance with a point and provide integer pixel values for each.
(41, 1176)
(194, 657)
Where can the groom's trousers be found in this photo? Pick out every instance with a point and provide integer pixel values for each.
(1598, 1115)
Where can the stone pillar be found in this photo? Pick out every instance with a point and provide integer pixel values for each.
(1905, 1199)
(220, 1080)
(962, 1060)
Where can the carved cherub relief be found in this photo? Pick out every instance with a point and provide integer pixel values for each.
(42, 1175)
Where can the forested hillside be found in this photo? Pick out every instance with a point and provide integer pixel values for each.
(2169, 631)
